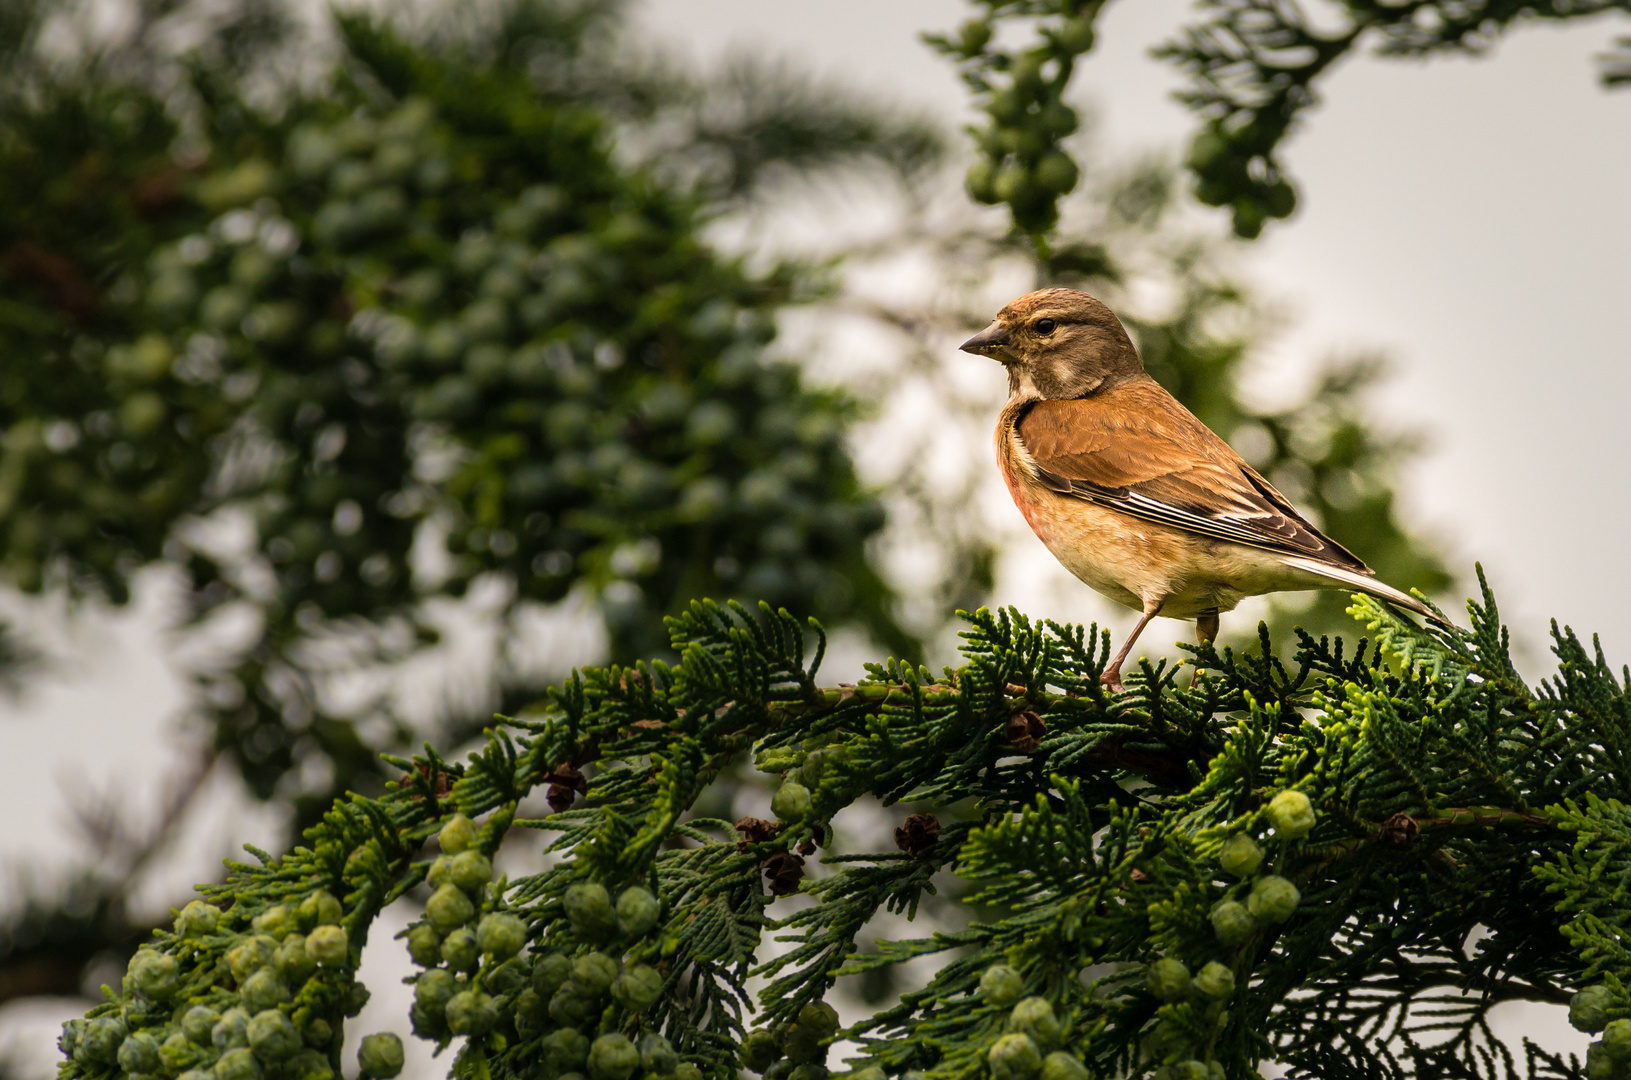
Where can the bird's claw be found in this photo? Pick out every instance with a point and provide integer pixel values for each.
(1111, 681)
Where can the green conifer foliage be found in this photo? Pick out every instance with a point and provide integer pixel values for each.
(1398, 795)
(422, 302)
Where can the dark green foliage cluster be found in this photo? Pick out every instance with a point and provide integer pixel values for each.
(1256, 65)
(1340, 861)
(1021, 163)
(421, 304)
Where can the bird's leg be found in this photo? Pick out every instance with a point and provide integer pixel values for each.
(1206, 628)
(1111, 679)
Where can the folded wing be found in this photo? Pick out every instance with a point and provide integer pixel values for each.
(1137, 450)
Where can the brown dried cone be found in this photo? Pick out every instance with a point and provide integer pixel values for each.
(565, 782)
(1401, 829)
(919, 833)
(784, 870)
(1025, 731)
(752, 830)
(441, 783)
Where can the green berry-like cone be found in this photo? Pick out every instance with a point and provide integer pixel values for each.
(231, 1032)
(292, 961)
(320, 909)
(506, 978)
(317, 1032)
(238, 1064)
(272, 1037)
(637, 911)
(1056, 173)
(425, 945)
(760, 1050)
(1216, 981)
(156, 976)
(801, 1046)
(275, 922)
(1061, 1066)
(1231, 922)
(819, 1019)
(1273, 899)
(549, 973)
(1076, 34)
(449, 908)
(791, 802)
(329, 946)
(981, 181)
(1014, 1057)
(1167, 979)
(100, 1040)
(594, 973)
(470, 870)
(500, 935)
(263, 990)
(308, 1065)
(657, 1055)
(471, 1012)
(589, 907)
(434, 989)
(139, 1053)
(461, 951)
(1034, 1017)
(570, 1006)
(530, 1006)
(1001, 985)
(1588, 1010)
(1241, 855)
(198, 920)
(197, 1023)
(250, 955)
(565, 1050)
(1599, 1066)
(179, 1053)
(638, 987)
(380, 1056)
(356, 998)
(613, 1057)
(1617, 1039)
(1291, 814)
(458, 834)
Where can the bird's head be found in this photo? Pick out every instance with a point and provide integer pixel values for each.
(1058, 344)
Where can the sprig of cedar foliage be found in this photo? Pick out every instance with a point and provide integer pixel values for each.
(1450, 837)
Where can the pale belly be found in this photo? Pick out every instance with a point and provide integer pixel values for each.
(1141, 564)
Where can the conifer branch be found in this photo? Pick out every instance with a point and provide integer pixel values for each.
(1282, 857)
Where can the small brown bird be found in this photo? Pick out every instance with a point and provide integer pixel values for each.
(1132, 493)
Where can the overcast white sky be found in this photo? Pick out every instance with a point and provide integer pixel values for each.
(1467, 217)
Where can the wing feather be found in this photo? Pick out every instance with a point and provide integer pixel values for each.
(1137, 450)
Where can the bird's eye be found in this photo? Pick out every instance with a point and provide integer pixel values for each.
(1044, 326)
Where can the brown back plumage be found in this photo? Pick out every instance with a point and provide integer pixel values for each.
(1134, 448)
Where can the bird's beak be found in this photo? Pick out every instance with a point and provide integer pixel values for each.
(988, 342)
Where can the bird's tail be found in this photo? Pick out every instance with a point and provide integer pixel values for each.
(1369, 585)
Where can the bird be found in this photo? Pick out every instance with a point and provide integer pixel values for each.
(1130, 491)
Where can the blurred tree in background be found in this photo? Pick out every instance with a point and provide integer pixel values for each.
(338, 321)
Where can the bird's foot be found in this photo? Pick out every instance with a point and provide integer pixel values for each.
(1111, 681)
